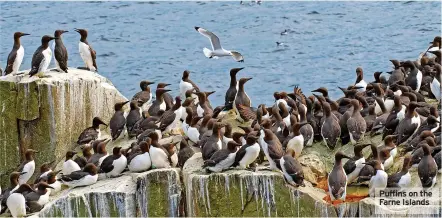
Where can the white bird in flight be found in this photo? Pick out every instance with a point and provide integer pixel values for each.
(217, 50)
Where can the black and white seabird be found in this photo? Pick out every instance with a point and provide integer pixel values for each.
(222, 159)
(86, 52)
(91, 133)
(354, 165)
(15, 57)
(99, 153)
(306, 130)
(140, 160)
(292, 169)
(70, 165)
(330, 129)
(401, 179)
(186, 84)
(159, 104)
(217, 50)
(248, 153)
(133, 116)
(118, 121)
(409, 124)
(427, 168)
(241, 97)
(42, 56)
(37, 199)
(297, 142)
(143, 97)
(16, 202)
(113, 165)
(193, 131)
(414, 78)
(82, 160)
(45, 168)
(337, 179)
(27, 166)
(88, 176)
(160, 155)
(233, 89)
(213, 143)
(168, 99)
(356, 124)
(13, 186)
(360, 83)
(272, 147)
(203, 107)
(60, 52)
(171, 117)
(379, 180)
(185, 152)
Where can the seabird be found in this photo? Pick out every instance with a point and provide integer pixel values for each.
(60, 52)
(171, 117)
(42, 56)
(143, 97)
(427, 168)
(45, 168)
(16, 201)
(272, 147)
(13, 186)
(39, 197)
(133, 116)
(360, 83)
(159, 104)
(140, 161)
(241, 97)
(185, 152)
(213, 143)
(86, 52)
(99, 153)
(401, 179)
(186, 84)
(53, 182)
(391, 147)
(297, 142)
(91, 133)
(118, 121)
(330, 129)
(377, 181)
(233, 89)
(337, 179)
(248, 153)
(356, 124)
(222, 159)
(354, 165)
(292, 169)
(203, 107)
(409, 124)
(86, 177)
(15, 57)
(435, 83)
(414, 78)
(113, 165)
(159, 154)
(27, 167)
(82, 160)
(193, 132)
(70, 165)
(217, 50)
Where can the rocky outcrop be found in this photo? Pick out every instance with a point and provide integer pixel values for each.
(152, 193)
(47, 114)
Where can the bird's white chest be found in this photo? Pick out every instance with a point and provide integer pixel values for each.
(29, 169)
(18, 59)
(378, 182)
(252, 153)
(16, 205)
(163, 106)
(57, 187)
(47, 53)
(140, 163)
(405, 181)
(435, 88)
(184, 86)
(296, 144)
(193, 134)
(224, 164)
(159, 158)
(70, 166)
(200, 111)
(363, 84)
(401, 115)
(44, 199)
(101, 160)
(119, 165)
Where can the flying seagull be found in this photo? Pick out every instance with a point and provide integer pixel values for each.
(217, 51)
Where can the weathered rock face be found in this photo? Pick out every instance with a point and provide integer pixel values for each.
(152, 193)
(48, 114)
(238, 193)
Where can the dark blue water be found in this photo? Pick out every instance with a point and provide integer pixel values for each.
(156, 41)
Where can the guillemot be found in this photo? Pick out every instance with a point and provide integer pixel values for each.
(272, 147)
(159, 104)
(118, 121)
(16, 201)
(379, 180)
(143, 97)
(86, 52)
(292, 169)
(15, 57)
(337, 179)
(70, 165)
(88, 176)
(354, 165)
(233, 89)
(91, 133)
(401, 179)
(248, 153)
(113, 165)
(27, 167)
(60, 52)
(222, 159)
(140, 161)
(42, 56)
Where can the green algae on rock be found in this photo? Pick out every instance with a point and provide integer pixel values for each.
(47, 114)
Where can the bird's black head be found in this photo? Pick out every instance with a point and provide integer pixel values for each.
(46, 39)
(58, 33)
(17, 35)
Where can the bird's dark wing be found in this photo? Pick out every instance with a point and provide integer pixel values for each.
(11, 59)
(350, 166)
(87, 136)
(37, 59)
(394, 179)
(275, 150)
(76, 175)
(61, 55)
(217, 157)
(246, 112)
(141, 97)
(94, 56)
(108, 164)
(240, 154)
(81, 161)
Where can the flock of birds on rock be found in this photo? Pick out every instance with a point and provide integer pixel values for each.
(394, 107)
